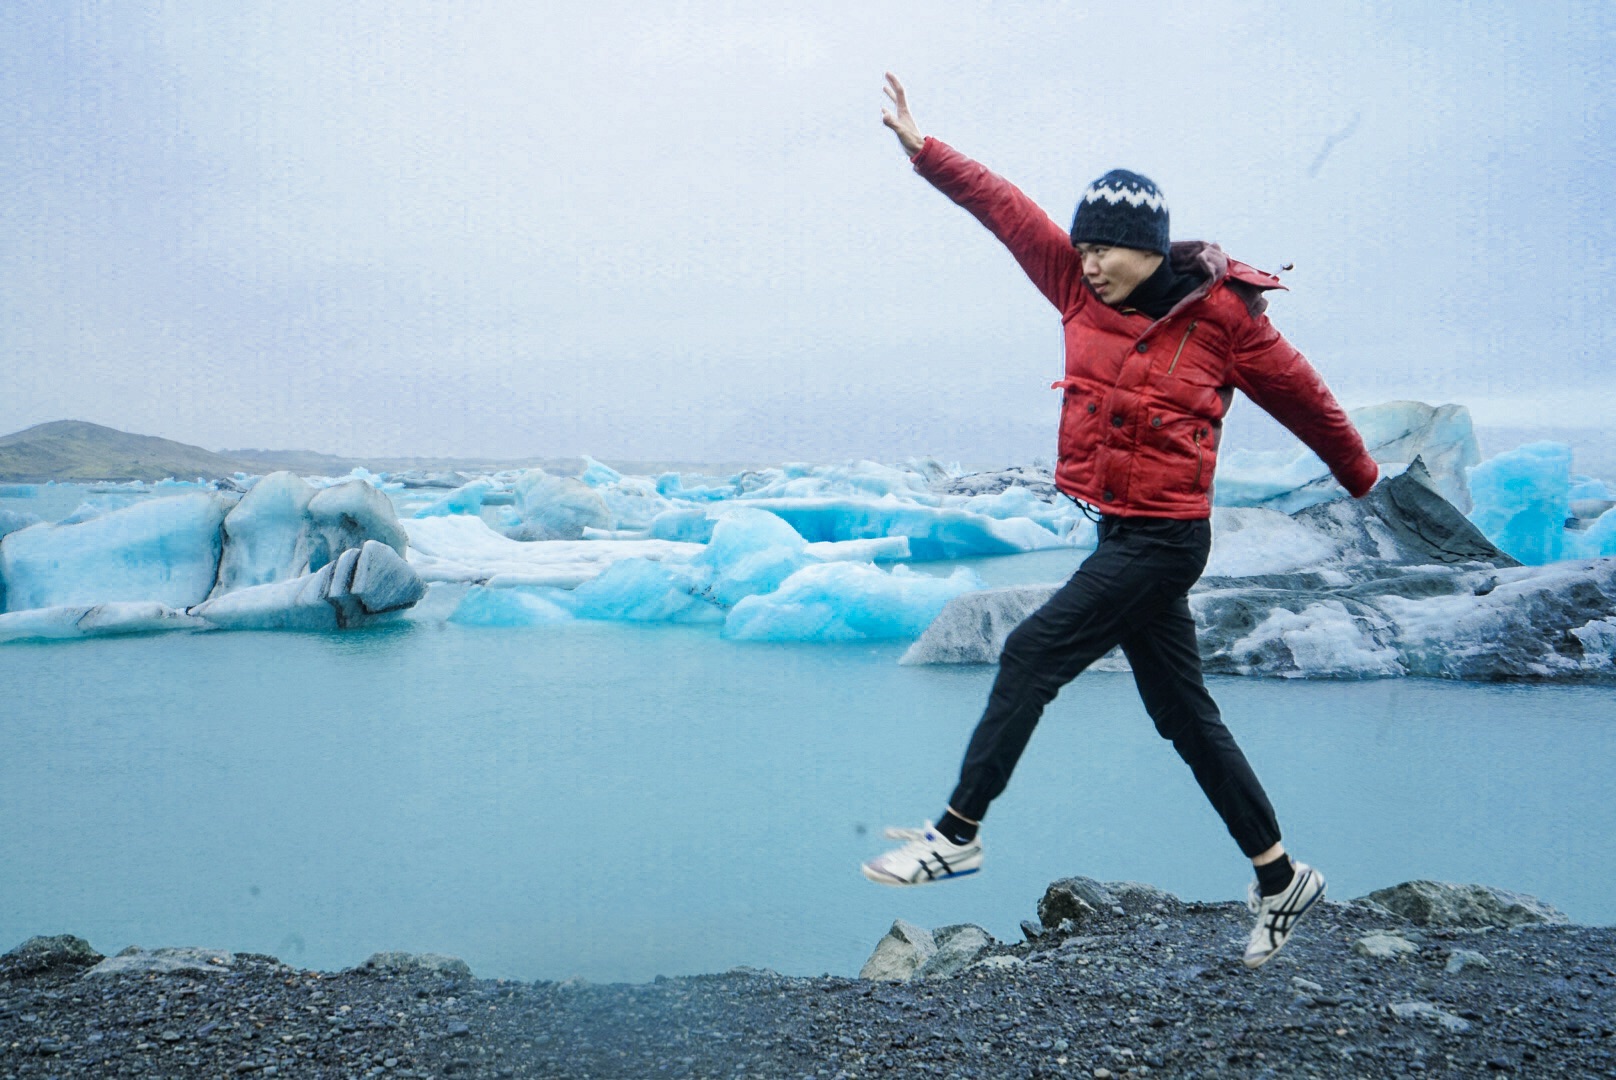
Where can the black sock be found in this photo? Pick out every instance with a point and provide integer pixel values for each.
(1275, 877)
(955, 828)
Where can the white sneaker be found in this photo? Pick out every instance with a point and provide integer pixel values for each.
(928, 856)
(1277, 915)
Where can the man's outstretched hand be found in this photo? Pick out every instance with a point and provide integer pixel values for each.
(903, 124)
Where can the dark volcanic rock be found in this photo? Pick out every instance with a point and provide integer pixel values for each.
(1094, 905)
(39, 954)
(1440, 903)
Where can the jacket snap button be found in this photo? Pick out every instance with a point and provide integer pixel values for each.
(1092, 406)
(1141, 347)
(1106, 497)
(1116, 421)
(1155, 421)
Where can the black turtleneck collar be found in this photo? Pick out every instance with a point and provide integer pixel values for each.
(1157, 294)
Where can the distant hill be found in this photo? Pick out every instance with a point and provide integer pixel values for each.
(75, 450)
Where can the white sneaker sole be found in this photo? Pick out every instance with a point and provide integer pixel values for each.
(881, 877)
(1296, 917)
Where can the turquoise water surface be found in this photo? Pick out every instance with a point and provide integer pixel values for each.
(615, 801)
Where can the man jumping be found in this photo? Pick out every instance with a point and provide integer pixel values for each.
(1158, 336)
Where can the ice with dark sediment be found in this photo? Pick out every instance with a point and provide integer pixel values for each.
(284, 555)
(1398, 583)
(361, 585)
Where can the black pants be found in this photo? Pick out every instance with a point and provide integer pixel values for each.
(1130, 592)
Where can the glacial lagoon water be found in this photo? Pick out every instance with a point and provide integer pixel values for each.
(616, 802)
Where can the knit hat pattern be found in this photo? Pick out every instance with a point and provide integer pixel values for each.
(1122, 209)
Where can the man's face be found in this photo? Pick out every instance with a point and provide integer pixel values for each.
(1114, 272)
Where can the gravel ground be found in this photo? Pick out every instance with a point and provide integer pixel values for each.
(1142, 994)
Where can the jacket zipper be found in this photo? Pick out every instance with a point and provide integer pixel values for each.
(1181, 343)
(1199, 458)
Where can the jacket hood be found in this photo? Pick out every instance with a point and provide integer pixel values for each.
(1210, 262)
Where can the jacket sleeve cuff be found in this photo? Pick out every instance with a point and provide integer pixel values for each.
(1363, 478)
(924, 152)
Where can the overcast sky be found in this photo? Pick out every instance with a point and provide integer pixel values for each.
(679, 231)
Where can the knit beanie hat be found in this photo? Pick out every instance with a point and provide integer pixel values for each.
(1122, 209)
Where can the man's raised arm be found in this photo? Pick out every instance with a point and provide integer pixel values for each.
(1042, 247)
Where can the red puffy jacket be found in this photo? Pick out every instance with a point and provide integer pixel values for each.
(1143, 400)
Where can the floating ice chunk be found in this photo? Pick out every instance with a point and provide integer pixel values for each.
(345, 515)
(465, 499)
(266, 538)
(858, 479)
(751, 552)
(639, 590)
(1282, 480)
(932, 532)
(1505, 624)
(97, 620)
(699, 489)
(1018, 502)
(1441, 436)
(847, 602)
(615, 534)
(1522, 501)
(163, 549)
(518, 606)
(1598, 540)
(557, 507)
(633, 502)
(361, 584)
(881, 549)
(1598, 640)
(299, 604)
(1323, 640)
(1395, 433)
(379, 481)
(12, 520)
(971, 629)
(1251, 540)
(464, 548)
(379, 582)
(597, 475)
(684, 524)
(95, 507)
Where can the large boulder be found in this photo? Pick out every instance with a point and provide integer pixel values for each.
(957, 948)
(1443, 904)
(406, 963)
(186, 960)
(1099, 905)
(40, 954)
(902, 952)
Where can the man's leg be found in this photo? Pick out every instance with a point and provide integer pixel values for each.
(1136, 571)
(1119, 584)
(1167, 669)
(1166, 664)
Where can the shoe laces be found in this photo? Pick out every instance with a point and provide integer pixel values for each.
(896, 833)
